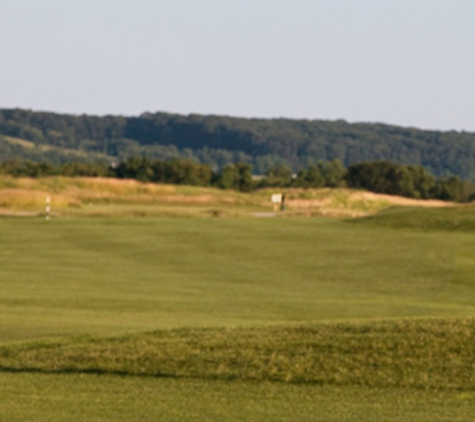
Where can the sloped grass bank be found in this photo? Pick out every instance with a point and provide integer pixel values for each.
(458, 219)
(428, 354)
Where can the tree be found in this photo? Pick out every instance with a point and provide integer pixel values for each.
(334, 173)
(236, 176)
(310, 178)
(278, 176)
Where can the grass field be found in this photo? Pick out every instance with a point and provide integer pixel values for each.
(235, 318)
(104, 276)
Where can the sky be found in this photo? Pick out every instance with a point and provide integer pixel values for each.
(401, 62)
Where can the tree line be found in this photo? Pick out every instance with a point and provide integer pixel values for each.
(377, 176)
(221, 140)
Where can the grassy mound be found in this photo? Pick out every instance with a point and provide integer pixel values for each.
(459, 218)
(435, 354)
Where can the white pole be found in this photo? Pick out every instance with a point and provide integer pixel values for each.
(47, 208)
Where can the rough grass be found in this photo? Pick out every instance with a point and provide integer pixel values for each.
(21, 199)
(130, 198)
(427, 354)
(121, 198)
(348, 202)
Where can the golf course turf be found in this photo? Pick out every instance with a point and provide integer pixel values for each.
(238, 319)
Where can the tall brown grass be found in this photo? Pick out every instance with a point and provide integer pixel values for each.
(76, 193)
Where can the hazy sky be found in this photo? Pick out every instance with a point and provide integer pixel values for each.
(406, 62)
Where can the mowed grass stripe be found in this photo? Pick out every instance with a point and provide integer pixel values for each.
(86, 398)
(432, 353)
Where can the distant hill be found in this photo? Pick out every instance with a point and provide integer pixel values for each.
(17, 148)
(218, 140)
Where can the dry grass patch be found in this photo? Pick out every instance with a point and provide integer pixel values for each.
(69, 193)
(19, 199)
(343, 202)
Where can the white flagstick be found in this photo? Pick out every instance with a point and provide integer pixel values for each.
(48, 208)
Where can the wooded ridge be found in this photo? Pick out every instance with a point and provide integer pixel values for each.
(220, 140)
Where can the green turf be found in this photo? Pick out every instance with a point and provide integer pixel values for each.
(91, 398)
(449, 219)
(279, 282)
(104, 276)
